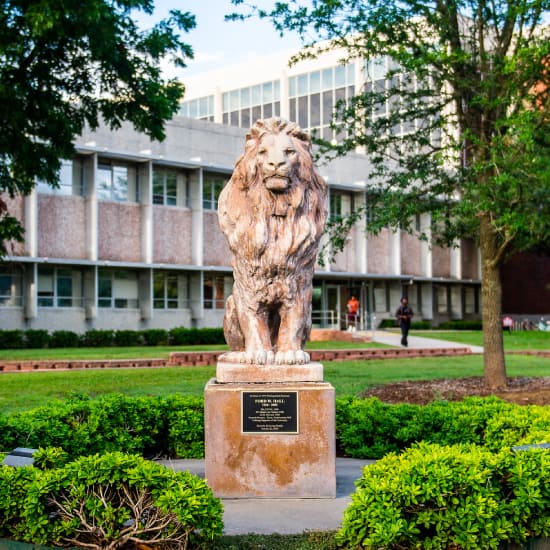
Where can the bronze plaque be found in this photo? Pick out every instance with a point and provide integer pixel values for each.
(270, 412)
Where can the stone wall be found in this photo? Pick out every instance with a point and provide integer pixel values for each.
(62, 223)
(119, 232)
(172, 235)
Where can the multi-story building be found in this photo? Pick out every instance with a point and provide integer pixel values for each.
(130, 238)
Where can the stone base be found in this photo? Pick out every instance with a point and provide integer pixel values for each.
(242, 372)
(274, 463)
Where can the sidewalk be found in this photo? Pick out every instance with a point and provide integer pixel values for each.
(285, 516)
(393, 338)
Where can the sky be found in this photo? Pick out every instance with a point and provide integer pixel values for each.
(217, 43)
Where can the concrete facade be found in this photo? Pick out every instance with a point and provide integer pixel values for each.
(131, 240)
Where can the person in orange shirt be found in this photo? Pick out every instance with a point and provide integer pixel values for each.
(353, 312)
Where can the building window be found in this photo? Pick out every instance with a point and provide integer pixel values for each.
(117, 289)
(340, 204)
(116, 182)
(314, 96)
(59, 287)
(201, 108)
(382, 76)
(170, 290)
(380, 297)
(216, 289)
(470, 300)
(70, 179)
(10, 289)
(165, 187)
(211, 188)
(442, 299)
(242, 107)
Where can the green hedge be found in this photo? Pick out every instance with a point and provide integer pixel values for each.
(415, 325)
(371, 429)
(150, 426)
(446, 476)
(439, 497)
(113, 500)
(173, 425)
(461, 325)
(178, 336)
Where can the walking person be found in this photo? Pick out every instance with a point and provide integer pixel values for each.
(353, 312)
(404, 314)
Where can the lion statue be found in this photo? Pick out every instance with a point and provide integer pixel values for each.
(272, 212)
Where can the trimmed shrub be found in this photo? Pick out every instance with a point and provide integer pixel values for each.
(37, 339)
(450, 497)
(12, 339)
(181, 336)
(370, 429)
(114, 500)
(128, 338)
(64, 339)
(150, 426)
(14, 485)
(473, 324)
(185, 425)
(155, 337)
(98, 338)
(211, 336)
(421, 325)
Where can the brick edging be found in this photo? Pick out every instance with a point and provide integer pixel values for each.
(203, 358)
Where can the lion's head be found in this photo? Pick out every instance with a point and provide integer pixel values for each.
(274, 177)
(277, 153)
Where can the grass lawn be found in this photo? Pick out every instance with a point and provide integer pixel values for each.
(521, 340)
(20, 391)
(143, 352)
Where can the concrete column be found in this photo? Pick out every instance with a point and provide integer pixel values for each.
(285, 106)
(395, 252)
(196, 295)
(218, 105)
(456, 262)
(425, 247)
(360, 236)
(195, 202)
(30, 224)
(90, 194)
(457, 307)
(359, 77)
(145, 175)
(145, 293)
(427, 301)
(30, 281)
(89, 288)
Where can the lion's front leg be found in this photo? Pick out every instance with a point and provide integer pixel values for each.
(254, 323)
(293, 332)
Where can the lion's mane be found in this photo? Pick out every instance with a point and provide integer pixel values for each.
(274, 237)
(246, 206)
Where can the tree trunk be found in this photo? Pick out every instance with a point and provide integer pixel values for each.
(491, 295)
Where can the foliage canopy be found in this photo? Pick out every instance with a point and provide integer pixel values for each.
(64, 65)
(454, 116)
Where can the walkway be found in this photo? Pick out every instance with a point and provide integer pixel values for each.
(285, 516)
(393, 338)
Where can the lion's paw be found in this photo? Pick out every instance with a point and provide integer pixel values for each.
(292, 357)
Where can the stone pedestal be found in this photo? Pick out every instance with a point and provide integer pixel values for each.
(270, 439)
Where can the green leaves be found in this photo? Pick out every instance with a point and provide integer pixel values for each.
(67, 65)
(113, 498)
(171, 426)
(441, 497)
